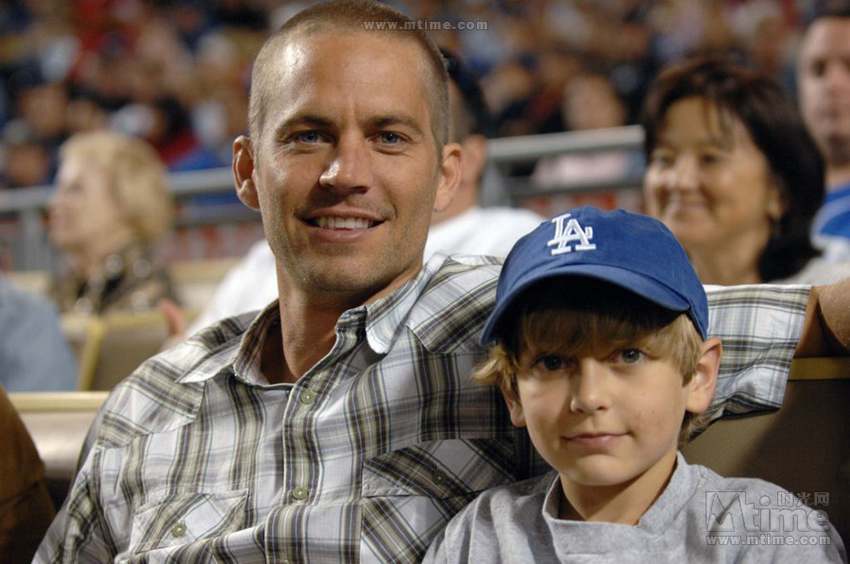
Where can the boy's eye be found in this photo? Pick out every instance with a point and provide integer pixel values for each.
(630, 356)
(550, 362)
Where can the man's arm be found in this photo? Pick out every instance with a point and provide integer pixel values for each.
(826, 329)
(78, 533)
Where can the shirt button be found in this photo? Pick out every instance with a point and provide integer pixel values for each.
(178, 530)
(308, 397)
(300, 493)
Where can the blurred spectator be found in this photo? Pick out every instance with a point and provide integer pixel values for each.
(589, 102)
(172, 70)
(111, 207)
(824, 87)
(34, 356)
(734, 174)
(26, 160)
(25, 506)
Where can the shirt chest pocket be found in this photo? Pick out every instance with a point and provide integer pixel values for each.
(440, 469)
(186, 517)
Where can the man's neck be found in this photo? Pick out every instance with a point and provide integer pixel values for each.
(837, 178)
(307, 334)
(308, 324)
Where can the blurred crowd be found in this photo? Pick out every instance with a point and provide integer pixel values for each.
(176, 72)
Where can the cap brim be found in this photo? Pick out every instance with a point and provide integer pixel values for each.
(642, 285)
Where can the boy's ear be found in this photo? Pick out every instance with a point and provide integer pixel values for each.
(702, 384)
(513, 403)
(243, 172)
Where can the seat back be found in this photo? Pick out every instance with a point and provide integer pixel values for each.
(127, 339)
(110, 347)
(58, 423)
(803, 447)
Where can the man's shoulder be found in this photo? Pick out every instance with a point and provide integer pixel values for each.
(451, 309)
(165, 391)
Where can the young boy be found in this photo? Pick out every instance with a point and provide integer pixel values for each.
(601, 351)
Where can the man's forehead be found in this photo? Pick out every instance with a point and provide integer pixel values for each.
(311, 67)
(313, 49)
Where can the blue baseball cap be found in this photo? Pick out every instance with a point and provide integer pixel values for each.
(633, 251)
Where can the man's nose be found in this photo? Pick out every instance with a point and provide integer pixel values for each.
(589, 387)
(350, 166)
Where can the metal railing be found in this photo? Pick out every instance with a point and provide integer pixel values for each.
(22, 210)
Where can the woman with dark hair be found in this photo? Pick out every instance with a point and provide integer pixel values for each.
(733, 172)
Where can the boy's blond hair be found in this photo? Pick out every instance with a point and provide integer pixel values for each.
(576, 317)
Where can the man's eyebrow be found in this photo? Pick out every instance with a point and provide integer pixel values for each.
(303, 120)
(380, 122)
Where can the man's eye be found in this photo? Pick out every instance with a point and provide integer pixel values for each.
(390, 138)
(307, 137)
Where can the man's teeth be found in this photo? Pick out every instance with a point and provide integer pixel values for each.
(343, 223)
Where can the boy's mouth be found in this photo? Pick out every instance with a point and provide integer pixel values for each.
(593, 440)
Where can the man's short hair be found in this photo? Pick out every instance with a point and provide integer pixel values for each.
(352, 16)
(585, 317)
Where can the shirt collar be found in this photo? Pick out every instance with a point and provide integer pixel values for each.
(386, 317)
(657, 519)
(383, 320)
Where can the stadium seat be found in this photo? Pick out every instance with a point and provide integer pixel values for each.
(195, 281)
(804, 446)
(57, 423)
(110, 347)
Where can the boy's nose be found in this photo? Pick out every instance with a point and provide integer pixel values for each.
(588, 385)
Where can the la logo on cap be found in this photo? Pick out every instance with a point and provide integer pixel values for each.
(568, 232)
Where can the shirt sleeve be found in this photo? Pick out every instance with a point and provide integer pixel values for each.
(78, 533)
(759, 326)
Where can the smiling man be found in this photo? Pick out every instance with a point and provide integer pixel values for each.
(340, 424)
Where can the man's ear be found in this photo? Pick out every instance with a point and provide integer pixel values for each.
(243, 172)
(512, 401)
(450, 176)
(702, 384)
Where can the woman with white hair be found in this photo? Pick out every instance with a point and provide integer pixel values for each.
(110, 209)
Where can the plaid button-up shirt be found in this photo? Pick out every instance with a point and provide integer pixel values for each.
(366, 457)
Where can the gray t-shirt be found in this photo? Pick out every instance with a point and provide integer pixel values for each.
(699, 517)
